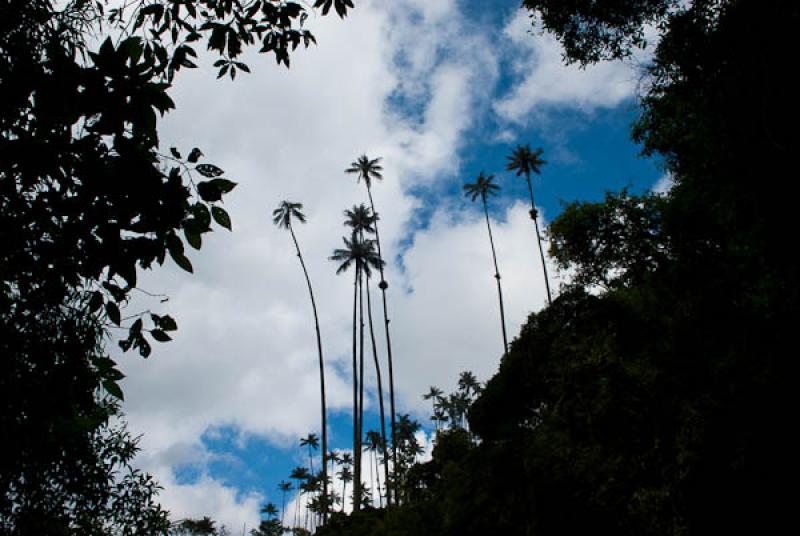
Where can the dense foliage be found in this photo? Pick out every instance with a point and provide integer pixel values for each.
(654, 395)
(87, 198)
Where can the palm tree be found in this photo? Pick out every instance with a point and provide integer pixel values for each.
(300, 474)
(347, 476)
(270, 510)
(282, 217)
(361, 254)
(368, 170)
(333, 458)
(374, 442)
(434, 393)
(526, 161)
(362, 220)
(284, 487)
(483, 187)
(468, 383)
(311, 441)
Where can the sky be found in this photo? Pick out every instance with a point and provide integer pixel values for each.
(440, 90)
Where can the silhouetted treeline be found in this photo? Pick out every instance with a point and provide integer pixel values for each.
(654, 396)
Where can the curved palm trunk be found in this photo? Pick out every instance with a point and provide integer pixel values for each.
(380, 393)
(355, 367)
(539, 240)
(321, 379)
(383, 287)
(497, 277)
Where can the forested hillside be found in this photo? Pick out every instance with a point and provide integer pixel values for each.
(653, 396)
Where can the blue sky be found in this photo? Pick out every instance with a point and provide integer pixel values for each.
(441, 90)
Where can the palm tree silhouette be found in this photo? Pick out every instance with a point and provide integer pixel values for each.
(368, 170)
(311, 442)
(346, 475)
(361, 254)
(284, 487)
(526, 161)
(468, 383)
(300, 474)
(362, 220)
(282, 217)
(270, 510)
(483, 187)
(374, 442)
(434, 394)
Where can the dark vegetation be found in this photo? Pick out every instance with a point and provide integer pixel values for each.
(87, 199)
(652, 396)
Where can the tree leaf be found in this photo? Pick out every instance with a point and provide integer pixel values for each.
(221, 217)
(223, 185)
(167, 323)
(160, 335)
(96, 301)
(194, 239)
(208, 192)
(181, 260)
(209, 170)
(113, 389)
(113, 312)
(195, 155)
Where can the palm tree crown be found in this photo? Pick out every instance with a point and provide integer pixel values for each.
(360, 252)
(483, 187)
(360, 218)
(366, 169)
(525, 161)
(282, 216)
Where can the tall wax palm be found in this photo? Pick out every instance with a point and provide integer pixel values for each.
(270, 510)
(525, 161)
(346, 475)
(284, 487)
(468, 383)
(360, 254)
(363, 221)
(374, 442)
(383, 443)
(483, 187)
(311, 442)
(300, 474)
(368, 170)
(282, 217)
(434, 394)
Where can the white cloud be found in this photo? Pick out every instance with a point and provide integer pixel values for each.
(664, 184)
(544, 81)
(245, 353)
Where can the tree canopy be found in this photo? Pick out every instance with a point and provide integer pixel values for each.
(88, 197)
(653, 396)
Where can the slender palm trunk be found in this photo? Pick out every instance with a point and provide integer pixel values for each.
(497, 277)
(321, 378)
(380, 392)
(358, 452)
(377, 478)
(355, 366)
(383, 286)
(539, 240)
(283, 507)
(297, 506)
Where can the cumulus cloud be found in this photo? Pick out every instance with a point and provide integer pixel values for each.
(543, 80)
(245, 354)
(664, 184)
